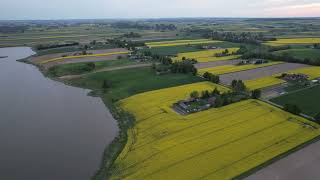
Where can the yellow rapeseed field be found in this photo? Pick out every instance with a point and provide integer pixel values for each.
(263, 82)
(313, 72)
(82, 56)
(214, 144)
(207, 55)
(281, 42)
(180, 42)
(234, 68)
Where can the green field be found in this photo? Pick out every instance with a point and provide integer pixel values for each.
(80, 68)
(312, 54)
(174, 50)
(127, 82)
(307, 99)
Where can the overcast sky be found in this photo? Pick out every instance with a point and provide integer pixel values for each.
(88, 9)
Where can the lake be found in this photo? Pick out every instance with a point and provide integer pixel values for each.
(48, 130)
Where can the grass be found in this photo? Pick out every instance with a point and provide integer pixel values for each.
(218, 70)
(82, 56)
(207, 55)
(127, 82)
(288, 41)
(80, 68)
(180, 42)
(306, 99)
(213, 144)
(312, 54)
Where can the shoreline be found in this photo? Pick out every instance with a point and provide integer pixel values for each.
(124, 121)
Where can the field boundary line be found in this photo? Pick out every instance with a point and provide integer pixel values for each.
(275, 159)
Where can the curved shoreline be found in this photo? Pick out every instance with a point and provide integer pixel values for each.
(124, 121)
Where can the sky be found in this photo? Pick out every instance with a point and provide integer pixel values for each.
(92, 9)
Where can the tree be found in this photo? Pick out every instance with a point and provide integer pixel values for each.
(317, 117)
(294, 109)
(238, 86)
(205, 94)
(215, 92)
(194, 94)
(256, 94)
(106, 84)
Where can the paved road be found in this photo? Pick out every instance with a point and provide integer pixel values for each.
(302, 165)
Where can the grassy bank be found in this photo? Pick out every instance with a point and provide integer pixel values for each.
(125, 83)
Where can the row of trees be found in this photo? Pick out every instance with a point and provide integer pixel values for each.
(51, 46)
(211, 77)
(261, 54)
(244, 37)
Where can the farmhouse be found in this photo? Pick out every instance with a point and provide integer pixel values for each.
(294, 77)
(193, 105)
(253, 61)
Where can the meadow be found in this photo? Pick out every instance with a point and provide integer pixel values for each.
(180, 42)
(82, 56)
(293, 41)
(80, 68)
(128, 82)
(307, 99)
(208, 55)
(212, 144)
(234, 68)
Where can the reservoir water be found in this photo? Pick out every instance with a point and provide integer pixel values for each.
(48, 131)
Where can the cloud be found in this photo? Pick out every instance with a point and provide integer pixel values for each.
(300, 10)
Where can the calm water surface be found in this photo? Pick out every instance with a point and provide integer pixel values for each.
(48, 131)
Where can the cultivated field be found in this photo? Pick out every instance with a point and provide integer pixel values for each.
(307, 99)
(207, 55)
(263, 82)
(234, 68)
(312, 54)
(260, 72)
(180, 42)
(300, 165)
(293, 41)
(213, 144)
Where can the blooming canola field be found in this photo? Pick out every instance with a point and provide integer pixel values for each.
(313, 72)
(293, 41)
(212, 144)
(208, 55)
(234, 68)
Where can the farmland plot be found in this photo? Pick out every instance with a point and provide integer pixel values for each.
(312, 71)
(208, 55)
(234, 68)
(260, 72)
(282, 42)
(214, 144)
(180, 42)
